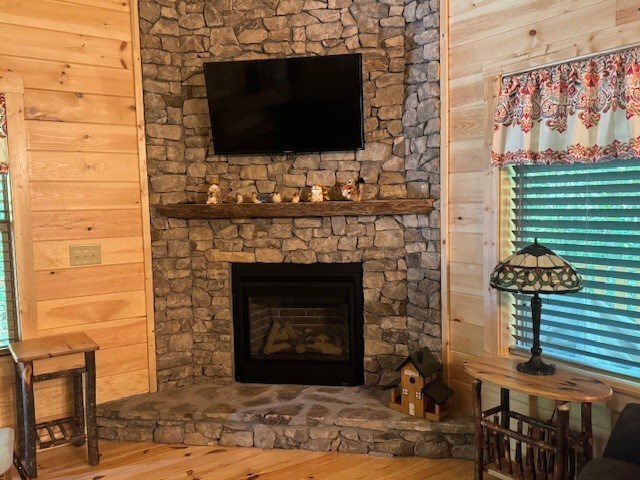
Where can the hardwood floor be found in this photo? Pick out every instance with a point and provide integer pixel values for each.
(148, 461)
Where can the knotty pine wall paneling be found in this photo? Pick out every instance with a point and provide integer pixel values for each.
(487, 38)
(79, 63)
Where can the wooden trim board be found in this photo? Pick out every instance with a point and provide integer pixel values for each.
(21, 204)
(144, 199)
(492, 340)
(444, 187)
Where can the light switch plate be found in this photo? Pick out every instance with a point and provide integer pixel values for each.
(84, 255)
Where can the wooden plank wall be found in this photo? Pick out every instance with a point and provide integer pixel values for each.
(87, 185)
(485, 38)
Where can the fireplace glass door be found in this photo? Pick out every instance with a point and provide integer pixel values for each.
(295, 324)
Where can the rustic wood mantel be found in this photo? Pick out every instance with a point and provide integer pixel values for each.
(294, 210)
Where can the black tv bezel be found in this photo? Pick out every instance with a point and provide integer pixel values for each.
(361, 142)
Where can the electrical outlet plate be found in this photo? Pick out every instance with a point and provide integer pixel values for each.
(84, 255)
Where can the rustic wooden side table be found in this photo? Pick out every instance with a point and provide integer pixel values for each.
(64, 430)
(545, 450)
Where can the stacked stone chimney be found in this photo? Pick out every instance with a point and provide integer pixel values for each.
(400, 254)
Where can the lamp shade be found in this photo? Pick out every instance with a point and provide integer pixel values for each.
(535, 269)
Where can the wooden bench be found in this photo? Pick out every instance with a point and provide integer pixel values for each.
(60, 431)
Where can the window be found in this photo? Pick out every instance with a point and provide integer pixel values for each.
(590, 215)
(8, 310)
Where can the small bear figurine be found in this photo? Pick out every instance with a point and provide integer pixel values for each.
(276, 197)
(213, 195)
(239, 198)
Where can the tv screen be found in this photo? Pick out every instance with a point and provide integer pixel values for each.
(303, 104)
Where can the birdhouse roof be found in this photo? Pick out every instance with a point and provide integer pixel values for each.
(438, 391)
(425, 362)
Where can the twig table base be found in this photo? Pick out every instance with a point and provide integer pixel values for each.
(517, 446)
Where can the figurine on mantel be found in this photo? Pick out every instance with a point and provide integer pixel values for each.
(352, 190)
(316, 194)
(276, 197)
(239, 198)
(295, 198)
(258, 198)
(213, 195)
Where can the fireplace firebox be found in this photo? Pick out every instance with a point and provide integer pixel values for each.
(297, 323)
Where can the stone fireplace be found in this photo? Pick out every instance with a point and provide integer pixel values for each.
(298, 323)
(400, 254)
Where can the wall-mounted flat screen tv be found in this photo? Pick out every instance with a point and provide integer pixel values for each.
(301, 104)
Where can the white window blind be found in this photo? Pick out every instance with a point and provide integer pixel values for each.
(590, 215)
(8, 310)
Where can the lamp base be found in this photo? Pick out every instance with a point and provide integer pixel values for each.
(535, 366)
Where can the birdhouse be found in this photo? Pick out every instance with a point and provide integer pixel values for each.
(420, 391)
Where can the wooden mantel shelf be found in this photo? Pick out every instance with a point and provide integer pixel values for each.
(293, 210)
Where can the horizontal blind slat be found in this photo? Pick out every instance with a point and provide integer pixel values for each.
(595, 357)
(603, 314)
(571, 236)
(568, 201)
(610, 225)
(555, 339)
(582, 176)
(623, 190)
(571, 322)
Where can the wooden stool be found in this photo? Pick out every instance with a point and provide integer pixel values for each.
(65, 430)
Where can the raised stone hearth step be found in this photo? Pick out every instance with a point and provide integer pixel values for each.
(344, 419)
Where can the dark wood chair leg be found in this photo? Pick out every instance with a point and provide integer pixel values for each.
(477, 412)
(90, 394)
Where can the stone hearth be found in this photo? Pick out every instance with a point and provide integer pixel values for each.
(343, 419)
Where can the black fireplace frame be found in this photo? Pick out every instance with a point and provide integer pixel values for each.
(245, 276)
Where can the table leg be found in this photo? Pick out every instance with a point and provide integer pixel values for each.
(19, 393)
(26, 409)
(505, 422)
(504, 403)
(562, 439)
(90, 394)
(477, 412)
(587, 446)
(78, 407)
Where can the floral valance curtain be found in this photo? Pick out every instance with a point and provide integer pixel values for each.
(4, 148)
(578, 112)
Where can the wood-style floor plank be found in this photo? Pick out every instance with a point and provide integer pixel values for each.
(148, 461)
